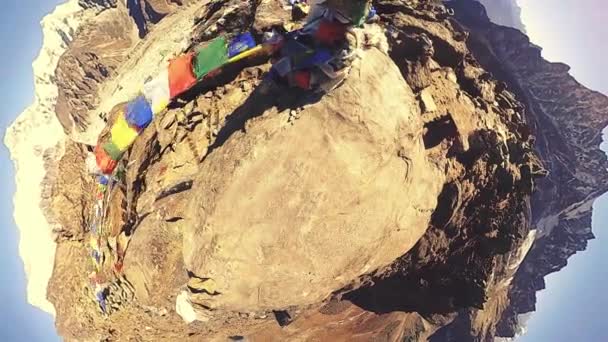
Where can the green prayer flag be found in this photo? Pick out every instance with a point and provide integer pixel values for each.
(113, 151)
(211, 57)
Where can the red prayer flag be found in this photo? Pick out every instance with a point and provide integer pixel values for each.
(181, 77)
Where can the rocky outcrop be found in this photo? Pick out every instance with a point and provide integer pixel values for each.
(335, 197)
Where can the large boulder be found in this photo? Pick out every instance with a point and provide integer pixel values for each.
(286, 214)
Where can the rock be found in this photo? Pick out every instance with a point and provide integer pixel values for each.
(418, 75)
(313, 181)
(427, 102)
(451, 75)
(189, 107)
(428, 50)
(167, 120)
(184, 308)
(198, 285)
(246, 86)
(300, 11)
(283, 318)
(270, 13)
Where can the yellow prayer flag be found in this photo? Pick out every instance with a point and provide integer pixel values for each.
(123, 136)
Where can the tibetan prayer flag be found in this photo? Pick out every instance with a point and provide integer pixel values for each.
(94, 263)
(123, 135)
(330, 32)
(101, 297)
(112, 151)
(157, 92)
(181, 77)
(139, 113)
(241, 43)
(248, 53)
(96, 257)
(302, 79)
(105, 163)
(118, 267)
(282, 67)
(211, 57)
(296, 52)
(103, 180)
(320, 56)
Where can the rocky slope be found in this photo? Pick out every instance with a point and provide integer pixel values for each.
(398, 207)
(98, 49)
(93, 56)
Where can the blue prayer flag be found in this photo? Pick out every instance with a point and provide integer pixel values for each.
(139, 113)
(240, 43)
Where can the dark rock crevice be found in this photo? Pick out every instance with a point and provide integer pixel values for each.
(439, 130)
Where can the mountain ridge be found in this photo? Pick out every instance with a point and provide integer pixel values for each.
(567, 119)
(35, 140)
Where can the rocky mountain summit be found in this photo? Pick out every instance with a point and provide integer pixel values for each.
(400, 206)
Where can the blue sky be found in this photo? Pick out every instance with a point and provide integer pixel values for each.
(574, 307)
(21, 38)
(575, 304)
